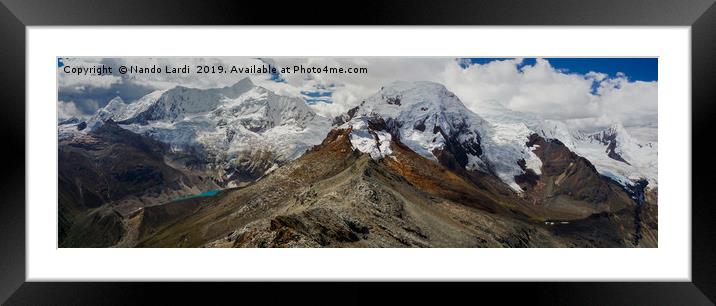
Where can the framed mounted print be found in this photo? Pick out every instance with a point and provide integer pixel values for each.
(301, 152)
(563, 145)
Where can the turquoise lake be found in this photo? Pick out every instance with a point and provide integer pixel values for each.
(209, 193)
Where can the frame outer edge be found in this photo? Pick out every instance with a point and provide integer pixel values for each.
(386, 12)
(703, 211)
(12, 74)
(12, 125)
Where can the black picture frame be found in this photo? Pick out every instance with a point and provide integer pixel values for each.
(16, 15)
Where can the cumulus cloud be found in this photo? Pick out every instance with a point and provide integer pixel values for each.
(538, 88)
(586, 102)
(67, 110)
(83, 81)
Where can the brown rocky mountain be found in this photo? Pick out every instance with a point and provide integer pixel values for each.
(110, 172)
(335, 196)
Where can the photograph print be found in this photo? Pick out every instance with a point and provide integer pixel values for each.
(374, 152)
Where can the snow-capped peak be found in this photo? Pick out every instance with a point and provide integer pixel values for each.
(627, 159)
(613, 151)
(615, 132)
(554, 129)
(115, 104)
(112, 110)
(139, 106)
(413, 99)
(616, 128)
(616, 139)
(226, 124)
(259, 109)
(431, 121)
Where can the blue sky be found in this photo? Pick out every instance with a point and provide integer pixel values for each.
(636, 69)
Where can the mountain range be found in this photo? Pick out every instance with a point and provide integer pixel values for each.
(409, 166)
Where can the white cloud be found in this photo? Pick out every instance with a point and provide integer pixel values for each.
(597, 76)
(547, 93)
(538, 88)
(67, 110)
(82, 81)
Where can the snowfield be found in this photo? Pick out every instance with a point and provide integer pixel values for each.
(374, 143)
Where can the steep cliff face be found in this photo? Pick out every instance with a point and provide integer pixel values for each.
(569, 186)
